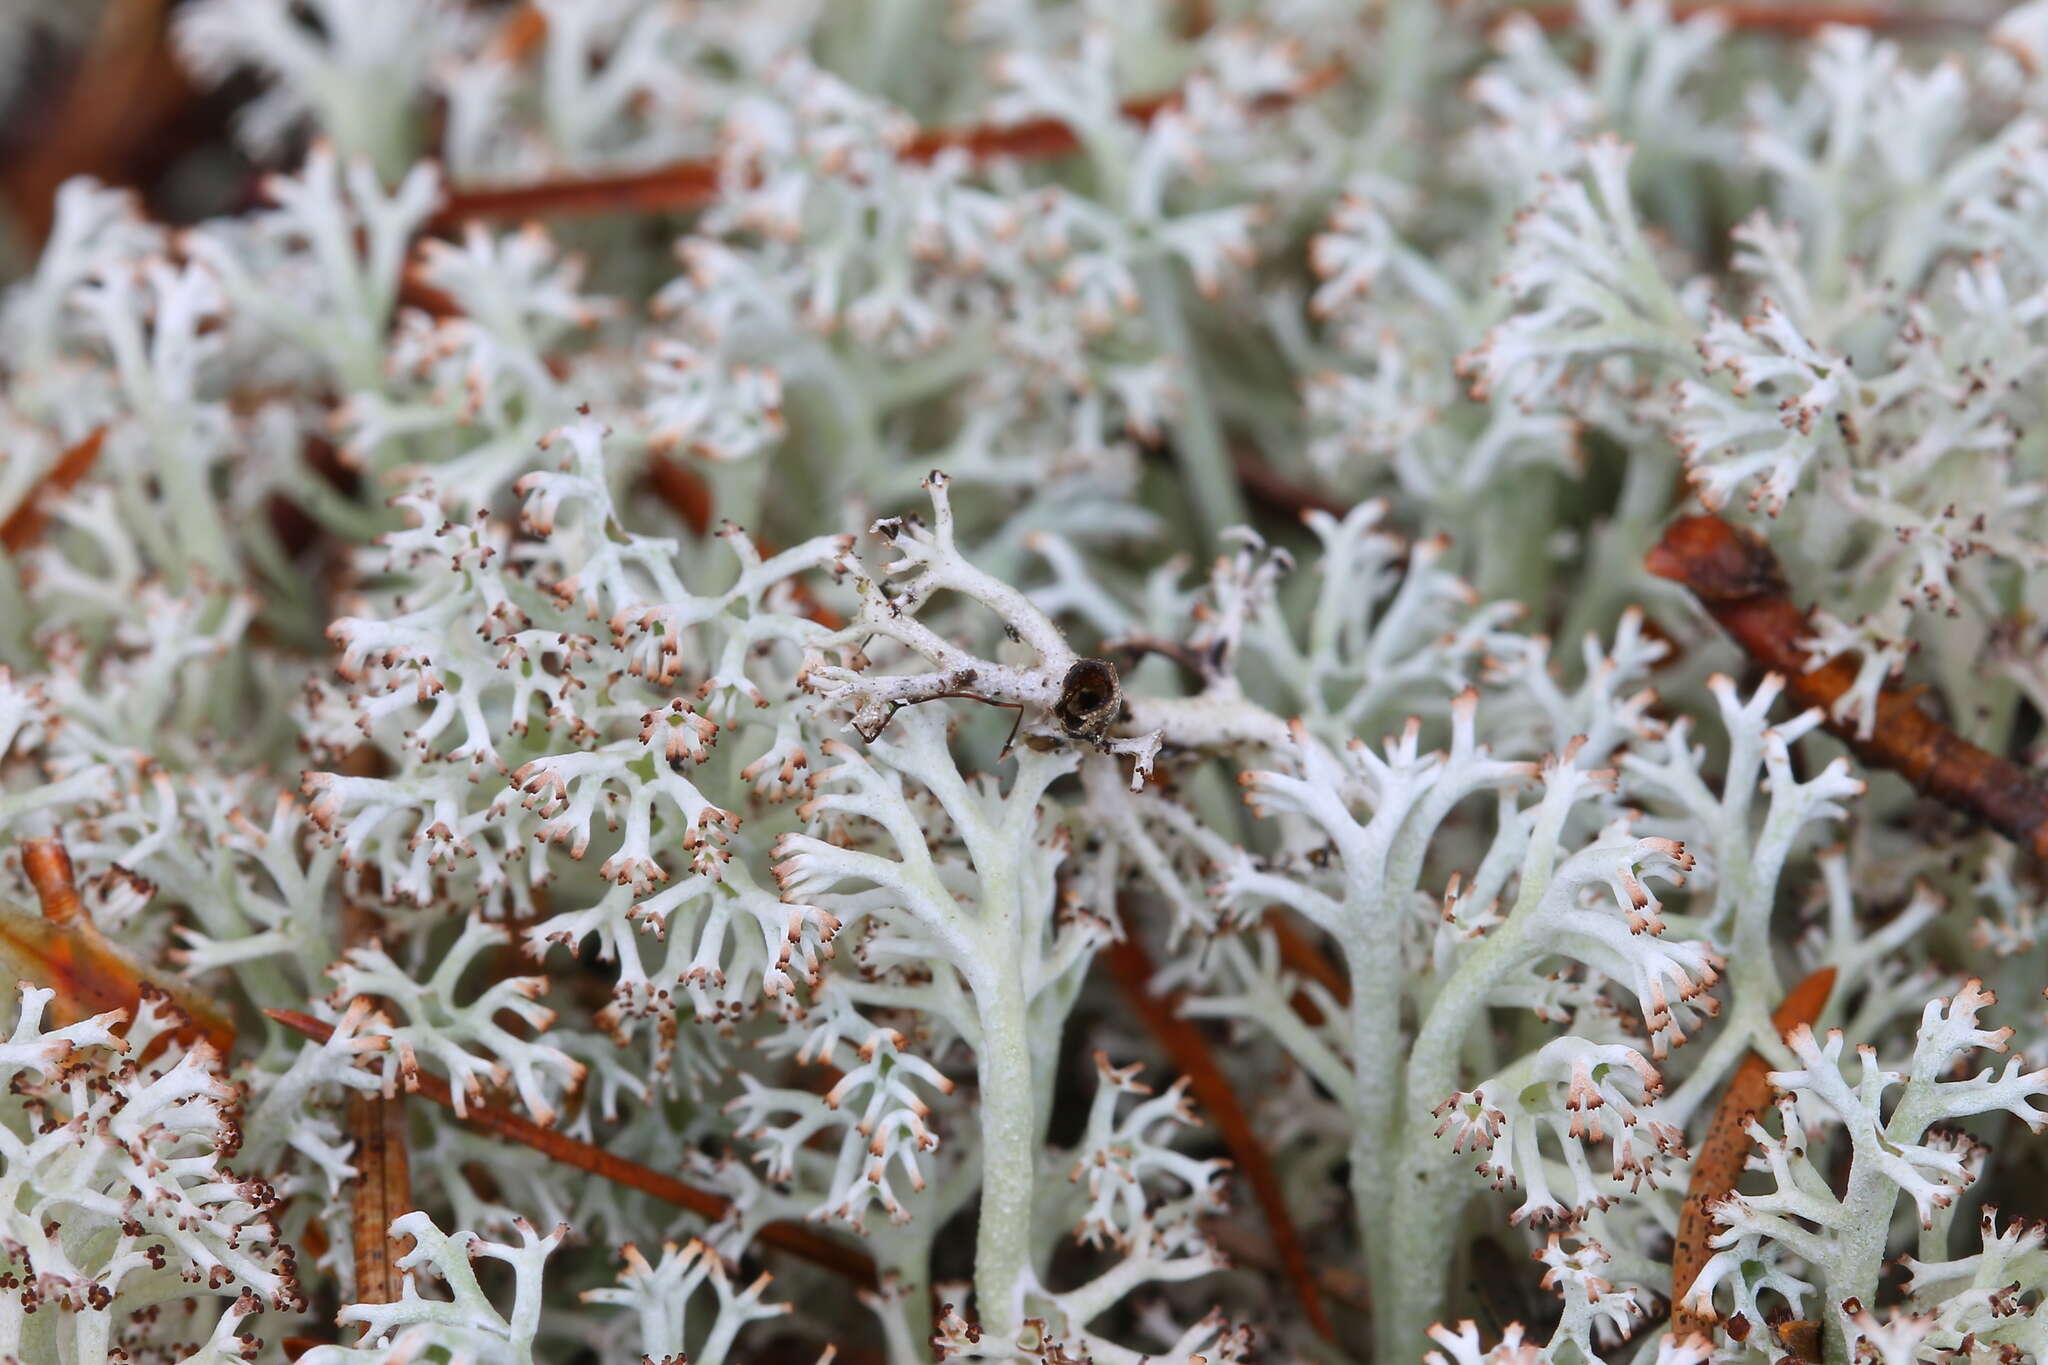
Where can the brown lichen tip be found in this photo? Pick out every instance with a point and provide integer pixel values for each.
(1739, 582)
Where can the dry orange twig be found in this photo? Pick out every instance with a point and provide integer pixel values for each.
(1304, 955)
(62, 950)
(383, 1162)
(791, 1237)
(1718, 1164)
(126, 90)
(1737, 579)
(382, 1193)
(1184, 1043)
(1781, 20)
(686, 185)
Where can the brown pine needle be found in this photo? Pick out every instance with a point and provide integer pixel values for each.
(415, 292)
(1738, 581)
(382, 1194)
(1271, 489)
(62, 950)
(791, 1237)
(1722, 1152)
(1189, 1050)
(687, 185)
(1303, 955)
(127, 90)
(25, 526)
(383, 1161)
(683, 489)
(1781, 20)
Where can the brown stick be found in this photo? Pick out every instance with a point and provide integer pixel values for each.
(683, 489)
(1737, 579)
(791, 1237)
(382, 1194)
(1302, 953)
(687, 185)
(1269, 488)
(1184, 1043)
(382, 1158)
(1722, 1152)
(62, 950)
(1784, 20)
(126, 90)
(25, 527)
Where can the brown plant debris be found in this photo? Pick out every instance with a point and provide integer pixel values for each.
(63, 951)
(790, 1237)
(1777, 20)
(1269, 488)
(383, 1192)
(383, 1162)
(24, 527)
(126, 93)
(1718, 1164)
(683, 489)
(48, 865)
(1737, 578)
(685, 185)
(1189, 1050)
(1303, 954)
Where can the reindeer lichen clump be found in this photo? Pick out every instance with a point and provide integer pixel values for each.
(1027, 682)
